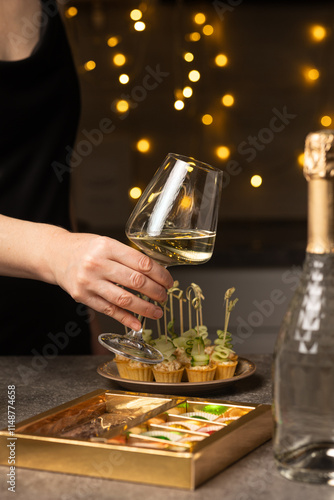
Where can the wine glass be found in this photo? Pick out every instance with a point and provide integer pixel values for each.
(174, 222)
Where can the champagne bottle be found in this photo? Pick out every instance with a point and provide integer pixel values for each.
(304, 353)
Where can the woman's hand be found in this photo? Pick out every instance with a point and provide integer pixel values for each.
(90, 267)
(87, 266)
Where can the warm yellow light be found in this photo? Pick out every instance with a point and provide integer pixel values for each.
(71, 12)
(179, 104)
(207, 30)
(187, 92)
(139, 26)
(188, 56)
(143, 145)
(135, 193)
(221, 60)
(194, 75)
(326, 121)
(119, 59)
(199, 18)
(122, 106)
(136, 14)
(178, 93)
(113, 41)
(256, 181)
(222, 152)
(300, 159)
(228, 100)
(124, 78)
(312, 74)
(89, 65)
(318, 33)
(194, 37)
(207, 119)
(186, 201)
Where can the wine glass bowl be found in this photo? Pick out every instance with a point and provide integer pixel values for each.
(174, 222)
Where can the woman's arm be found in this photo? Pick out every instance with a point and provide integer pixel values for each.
(87, 266)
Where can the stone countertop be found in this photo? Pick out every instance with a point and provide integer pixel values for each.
(42, 384)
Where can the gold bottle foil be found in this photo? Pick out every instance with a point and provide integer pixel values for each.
(319, 172)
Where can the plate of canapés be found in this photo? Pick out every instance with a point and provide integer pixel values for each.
(192, 362)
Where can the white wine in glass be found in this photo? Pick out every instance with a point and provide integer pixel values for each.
(174, 223)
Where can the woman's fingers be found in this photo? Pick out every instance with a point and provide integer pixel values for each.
(96, 265)
(123, 254)
(115, 302)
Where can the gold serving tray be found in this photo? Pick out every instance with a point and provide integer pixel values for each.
(123, 436)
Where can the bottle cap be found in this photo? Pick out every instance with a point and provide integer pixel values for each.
(319, 155)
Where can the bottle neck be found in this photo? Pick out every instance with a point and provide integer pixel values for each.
(320, 238)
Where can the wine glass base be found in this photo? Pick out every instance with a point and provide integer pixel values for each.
(130, 348)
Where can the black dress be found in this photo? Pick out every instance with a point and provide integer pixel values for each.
(39, 113)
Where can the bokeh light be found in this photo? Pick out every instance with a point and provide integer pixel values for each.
(318, 33)
(90, 65)
(326, 121)
(200, 18)
(221, 60)
(119, 59)
(188, 56)
(228, 100)
(139, 26)
(135, 193)
(187, 92)
(256, 181)
(122, 106)
(113, 41)
(222, 152)
(71, 12)
(207, 119)
(136, 14)
(124, 78)
(178, 105)
(194, 75)
(143, 145)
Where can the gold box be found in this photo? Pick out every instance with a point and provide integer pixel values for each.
(126, 436)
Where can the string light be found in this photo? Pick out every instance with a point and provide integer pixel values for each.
(178, 105)
(228, 100)
(119, 59)
(113, 41)
(90, 65)
(318, 33)
(122, 106)
(300, 159)
(193, 37)
(207, 119)
(256, 181)
(187, 92)
(312, 74)
(71, 12)
(326, 121)
(188, 56)
(221, 60)
(139, 26)
(135, 193)
(143, 145)
(222, 152)
(199, 18)
(194, 75)
(207, 30)
(136, 14)
(124, 78)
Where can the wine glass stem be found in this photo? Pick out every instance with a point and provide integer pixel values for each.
(135, 335)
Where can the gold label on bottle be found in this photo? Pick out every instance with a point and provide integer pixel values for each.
(319, 155)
